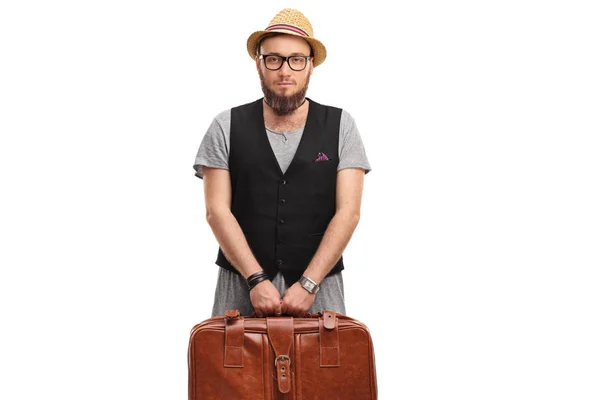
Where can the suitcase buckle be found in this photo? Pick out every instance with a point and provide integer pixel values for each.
(282, 358)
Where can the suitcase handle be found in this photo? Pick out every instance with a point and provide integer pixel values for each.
(308, 315)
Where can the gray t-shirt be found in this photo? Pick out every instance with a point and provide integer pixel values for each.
(214, 148)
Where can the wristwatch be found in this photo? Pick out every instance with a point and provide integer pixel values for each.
(311, 286)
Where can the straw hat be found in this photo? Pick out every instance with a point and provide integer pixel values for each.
(291, 22)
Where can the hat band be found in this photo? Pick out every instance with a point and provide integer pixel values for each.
(287, 28)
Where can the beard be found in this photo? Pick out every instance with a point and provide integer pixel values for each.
(283, 105)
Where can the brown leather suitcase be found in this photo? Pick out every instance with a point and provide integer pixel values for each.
(324, 356)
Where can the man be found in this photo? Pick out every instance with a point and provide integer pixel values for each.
(283, 180)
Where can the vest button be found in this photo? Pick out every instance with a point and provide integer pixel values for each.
(279, 262)
(282, 201)
(281, 221)
(283, 182)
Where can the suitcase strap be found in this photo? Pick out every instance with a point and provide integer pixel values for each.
(329, 346)
(234, 340)
(281, 337)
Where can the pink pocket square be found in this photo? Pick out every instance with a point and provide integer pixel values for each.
(322, 157)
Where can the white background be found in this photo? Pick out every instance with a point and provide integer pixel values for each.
(475, 263)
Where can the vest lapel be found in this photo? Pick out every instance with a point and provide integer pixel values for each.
(309, 140)
(261, 130)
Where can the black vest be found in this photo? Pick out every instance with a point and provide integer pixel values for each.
(283, 216)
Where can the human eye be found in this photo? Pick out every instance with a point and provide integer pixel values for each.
(273, 59)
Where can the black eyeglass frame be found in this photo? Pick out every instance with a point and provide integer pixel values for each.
(284, 59)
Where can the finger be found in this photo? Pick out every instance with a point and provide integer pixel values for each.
(300, 313)
(278, 311)
(291, 312)
(268, 311)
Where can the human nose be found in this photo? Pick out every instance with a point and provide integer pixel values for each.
(285, 68)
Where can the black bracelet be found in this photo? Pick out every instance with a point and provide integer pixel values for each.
(257, 281)
(255, 276)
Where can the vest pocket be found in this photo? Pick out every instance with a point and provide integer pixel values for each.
(323, 175)
(316, 234)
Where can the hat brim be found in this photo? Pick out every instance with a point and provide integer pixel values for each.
(318, 48)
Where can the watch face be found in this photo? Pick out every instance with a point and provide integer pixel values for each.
(308, 285)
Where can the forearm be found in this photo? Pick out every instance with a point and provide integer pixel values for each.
(233, 243)
(336, 238)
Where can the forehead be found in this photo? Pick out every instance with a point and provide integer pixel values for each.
(285, 44)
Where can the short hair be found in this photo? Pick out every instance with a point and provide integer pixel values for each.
(273, 34)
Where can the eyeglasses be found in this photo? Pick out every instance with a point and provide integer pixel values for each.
(274, 62)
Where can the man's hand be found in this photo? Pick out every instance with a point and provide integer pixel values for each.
(265, 299)
(296, 301)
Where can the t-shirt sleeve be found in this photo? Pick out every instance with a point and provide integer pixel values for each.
(214, 148)
(351, 149)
